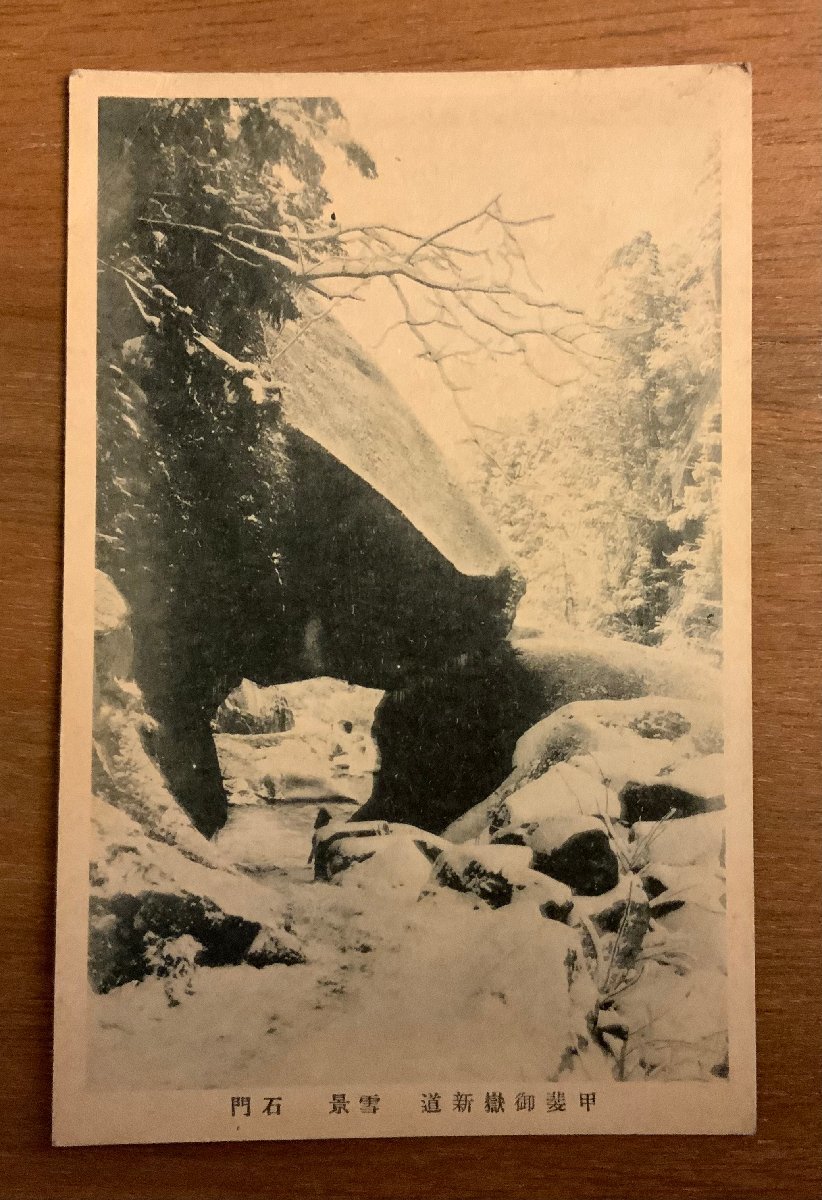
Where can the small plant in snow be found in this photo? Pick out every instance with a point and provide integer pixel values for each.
(173, 961)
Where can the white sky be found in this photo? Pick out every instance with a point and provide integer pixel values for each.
(609, 153)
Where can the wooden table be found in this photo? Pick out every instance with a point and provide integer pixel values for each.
(40, 42)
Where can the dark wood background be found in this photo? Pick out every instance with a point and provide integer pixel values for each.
(41, 41)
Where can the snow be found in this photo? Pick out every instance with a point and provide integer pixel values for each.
(413, 987)
(697, 839)
(110, 609)
(677, 1024)
(654, 730)
(503, 860)
(329, 754)
(565, 790)
(590, 657)
(471, 966)
(272, 838)
(703, 777)
(579, 759)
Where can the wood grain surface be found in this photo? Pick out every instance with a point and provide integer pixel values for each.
(41, 41)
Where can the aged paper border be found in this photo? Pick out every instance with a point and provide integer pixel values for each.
(83, 1116)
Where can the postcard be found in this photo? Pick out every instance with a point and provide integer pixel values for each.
(406, 712)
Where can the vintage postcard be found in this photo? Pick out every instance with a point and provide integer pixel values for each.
(406, 719)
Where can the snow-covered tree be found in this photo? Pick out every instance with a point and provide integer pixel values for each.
(609, 495)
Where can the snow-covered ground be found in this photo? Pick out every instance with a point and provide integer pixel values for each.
(412, 984)
(394, 990)
(573, 922)
(276, 782)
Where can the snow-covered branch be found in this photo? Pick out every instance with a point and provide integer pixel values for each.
(465, 291)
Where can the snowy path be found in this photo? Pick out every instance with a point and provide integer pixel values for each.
(273, 840)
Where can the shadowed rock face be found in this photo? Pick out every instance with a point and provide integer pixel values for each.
(340, 400)
(363, 598)
(448, 736)
(289, 564)
(373, 602)
(321, 538)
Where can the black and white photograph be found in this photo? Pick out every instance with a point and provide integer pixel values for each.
(406, 765)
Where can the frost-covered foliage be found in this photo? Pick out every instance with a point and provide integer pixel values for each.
(609, 494)
(205, 206)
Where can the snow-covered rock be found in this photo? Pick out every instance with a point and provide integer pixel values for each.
(418, 990)
(161, 893)
(219, 960)
(123, 773)
(144, 889)
(670, 886)
(253, 709)
(698, 935)
(582, 757)
(574, 849)
(396, 868)
(587, 665)
(581, 780)
(698, 839)
(269, 948)
(340, 844)
(499, 874)
(703, 777)
(652, 728)
(675, 1023)
(693, 786)
(565, 790)
(688, 906)
(672, 1014)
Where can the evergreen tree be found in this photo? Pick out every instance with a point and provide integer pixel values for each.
(610, 495)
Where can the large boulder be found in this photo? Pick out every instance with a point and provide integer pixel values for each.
(337, 545)
(124, 773)
(164, 899)
(582, 757)
(591, 666)
(565, 790)
(650, 731)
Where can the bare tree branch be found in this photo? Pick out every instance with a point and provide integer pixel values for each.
(465, 292)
